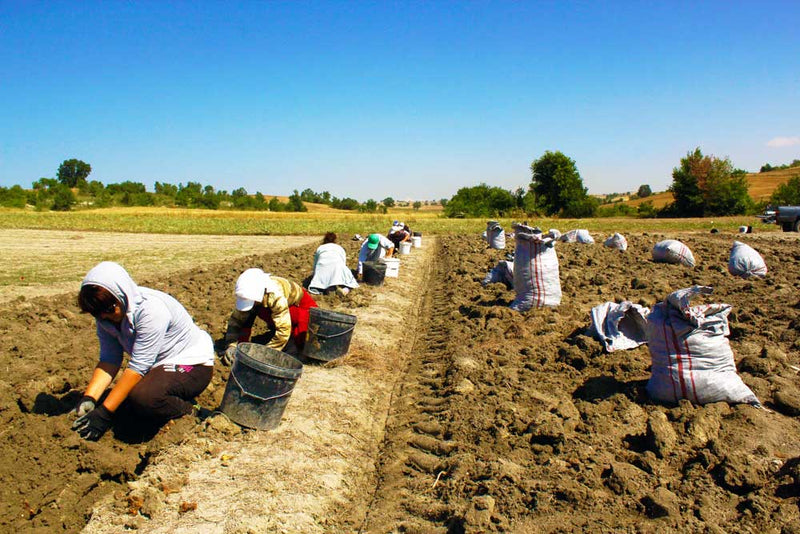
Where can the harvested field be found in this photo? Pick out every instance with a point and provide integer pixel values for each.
(497, 421)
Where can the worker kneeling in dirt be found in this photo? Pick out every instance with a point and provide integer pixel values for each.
(282, 303)
(171, 358)
(330, 268)
(398, 233)
(374, 248)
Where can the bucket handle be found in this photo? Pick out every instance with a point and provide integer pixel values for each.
(323, 336)
(248, 394)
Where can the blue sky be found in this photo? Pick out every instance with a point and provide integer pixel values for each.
(411, 100)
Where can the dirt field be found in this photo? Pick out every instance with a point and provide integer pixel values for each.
(451, 413)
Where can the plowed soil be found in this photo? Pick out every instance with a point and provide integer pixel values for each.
(497, 421)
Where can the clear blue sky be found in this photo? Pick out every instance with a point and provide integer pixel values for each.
(402, 99)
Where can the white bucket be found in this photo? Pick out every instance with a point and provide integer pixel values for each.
(392, 267)
(405, 247)
(742, 229)
(416, 241)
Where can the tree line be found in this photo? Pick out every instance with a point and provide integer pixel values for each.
(702, 186)
(72, 187)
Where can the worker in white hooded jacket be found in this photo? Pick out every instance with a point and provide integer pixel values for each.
(171, 359)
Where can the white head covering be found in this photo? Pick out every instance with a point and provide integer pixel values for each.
(250, 288)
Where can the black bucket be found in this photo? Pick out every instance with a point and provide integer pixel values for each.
(374, 272)
(329, 334)
(258, 389)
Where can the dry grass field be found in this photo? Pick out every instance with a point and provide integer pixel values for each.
(762, 184)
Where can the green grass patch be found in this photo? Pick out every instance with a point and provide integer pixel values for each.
(195, 221)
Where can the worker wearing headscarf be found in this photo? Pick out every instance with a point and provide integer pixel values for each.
(171, 358)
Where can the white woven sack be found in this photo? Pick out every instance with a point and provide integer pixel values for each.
(495, 235)
(620, 326)
(746, 262)
(503, 272)
(690, 353)
(577, 236)
(536, 277)
(673, 251)
(616, 241)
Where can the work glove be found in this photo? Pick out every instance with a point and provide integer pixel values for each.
(94, 424)
(85, 405)
(229, 355)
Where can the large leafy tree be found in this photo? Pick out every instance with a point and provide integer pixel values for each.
(558, 186)
(73, 172)
(706, 185)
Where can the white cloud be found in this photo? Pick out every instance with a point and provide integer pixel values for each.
(780, 142)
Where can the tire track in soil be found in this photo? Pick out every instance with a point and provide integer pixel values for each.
(416, 447)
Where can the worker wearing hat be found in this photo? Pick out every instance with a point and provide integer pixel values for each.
(282, 303)
(374, 248)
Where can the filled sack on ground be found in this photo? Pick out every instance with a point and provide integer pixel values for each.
(690, 353)
(494, 235)
(536, 277)
(616, 241)
(577, 236)
(620, 326)
(746, 262)
(503, 273)
(673, 251)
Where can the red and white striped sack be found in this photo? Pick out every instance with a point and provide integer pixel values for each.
(690, 353)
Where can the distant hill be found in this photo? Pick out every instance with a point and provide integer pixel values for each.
(762, 184)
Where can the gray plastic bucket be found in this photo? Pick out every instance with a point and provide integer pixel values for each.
(329, 334)
(374, 272)
(259, 386)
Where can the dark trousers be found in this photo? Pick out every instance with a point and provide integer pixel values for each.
(162, 395)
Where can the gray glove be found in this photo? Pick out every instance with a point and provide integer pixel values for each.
(229, 355)
(84, 406)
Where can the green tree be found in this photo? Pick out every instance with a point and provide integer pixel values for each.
(579, 208)
(787, 194)
(72, 172)
(13, 197)
(644, 191)
(296, 203)
(416, 205)
(557, 184)
(646, 210)
(388, 202)
(706, 185)
(346, 203)
(168, 190)
(480, 201)
(43, 184)
(370, 206)
(63, 198)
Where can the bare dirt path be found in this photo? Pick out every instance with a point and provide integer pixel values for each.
(318, 466)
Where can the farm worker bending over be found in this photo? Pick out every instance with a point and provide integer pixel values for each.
(374, 248)
(398, 233)
(283, 304)
(171, 358)
(330, 268)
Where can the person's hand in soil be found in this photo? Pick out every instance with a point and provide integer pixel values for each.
(85, 405)
(94, 424)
